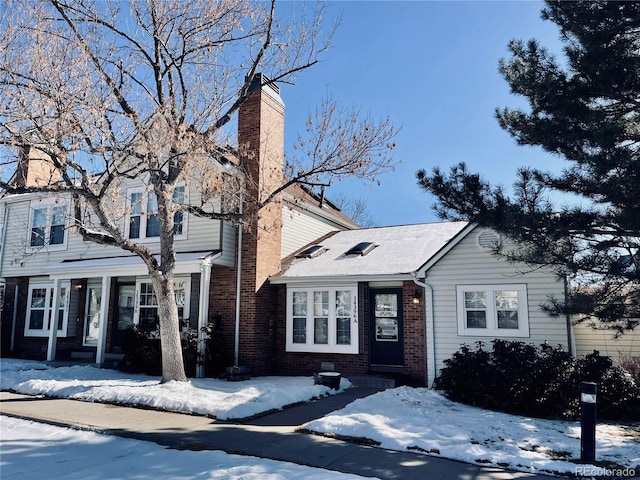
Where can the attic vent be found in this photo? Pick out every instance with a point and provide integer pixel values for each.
(488, 239)
(361, 249)
(312, 252)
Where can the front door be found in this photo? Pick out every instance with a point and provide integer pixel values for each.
(124, 313)
(92, 315)
(387, 346)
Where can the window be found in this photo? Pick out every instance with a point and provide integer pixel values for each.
(48, 226)
(322, 320)
(492, 310)
(178, 217)
(143, 214)
(40, 306)
(146, 312)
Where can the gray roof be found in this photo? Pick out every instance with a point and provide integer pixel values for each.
(399, 251)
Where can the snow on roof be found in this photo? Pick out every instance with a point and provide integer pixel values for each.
(398, 250)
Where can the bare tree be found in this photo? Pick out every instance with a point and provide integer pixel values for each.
(356, 209)
(144, 89)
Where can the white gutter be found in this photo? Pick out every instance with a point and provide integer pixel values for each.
(430, 332)
(333, 279)
(236, 338)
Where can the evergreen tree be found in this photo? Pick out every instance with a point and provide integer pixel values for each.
(584, 108)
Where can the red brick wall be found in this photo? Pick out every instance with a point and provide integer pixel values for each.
(261, 141)
(415, 359)
(299, 363)
(294, 363)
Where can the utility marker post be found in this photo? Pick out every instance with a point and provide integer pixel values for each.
(588, 422)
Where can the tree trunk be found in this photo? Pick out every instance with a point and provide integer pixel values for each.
(172, 362)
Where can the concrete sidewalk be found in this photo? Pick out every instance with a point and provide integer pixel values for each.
(271, 436)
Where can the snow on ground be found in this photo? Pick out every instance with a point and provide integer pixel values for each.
(33, 450)
(217, 398)
(413, 419)
(421, 420)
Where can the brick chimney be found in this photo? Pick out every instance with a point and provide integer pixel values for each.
(261, 142)
(34, 168)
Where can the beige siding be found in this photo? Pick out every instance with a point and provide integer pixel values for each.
(588, 339)
(18, 260)
(300, 228)
(469, 264)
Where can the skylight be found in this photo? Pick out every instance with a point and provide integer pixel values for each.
(361, 249)
(312, 252)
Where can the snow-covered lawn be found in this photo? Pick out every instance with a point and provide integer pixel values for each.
(417, 420)
(218, 398)
(421, 420)
(32, 450)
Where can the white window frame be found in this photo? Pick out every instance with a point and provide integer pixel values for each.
(331, 345)
(49, 206)
(47, 317)
(144, 215)
(186, 280)
(491, 329)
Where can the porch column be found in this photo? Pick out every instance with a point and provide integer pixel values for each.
(104, 318)
(53, 321)
(203, 315)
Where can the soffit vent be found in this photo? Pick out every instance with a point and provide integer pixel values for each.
(362, 249)
(312, 252)
(488, 239)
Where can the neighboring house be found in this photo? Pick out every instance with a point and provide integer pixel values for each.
(588, 339)
(51, 275)
(403, 299)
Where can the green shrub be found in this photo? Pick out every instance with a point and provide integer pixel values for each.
(543, 381)
(142, 352)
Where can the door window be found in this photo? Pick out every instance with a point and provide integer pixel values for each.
(92, 320)
(386, 317)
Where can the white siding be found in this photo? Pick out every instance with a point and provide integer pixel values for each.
(202, 235)
(301, 227)
(588, 339)
(467, 264)
(228, 245)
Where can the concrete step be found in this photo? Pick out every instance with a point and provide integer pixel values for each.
(373, 381)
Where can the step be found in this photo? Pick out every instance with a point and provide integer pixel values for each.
(373, 381)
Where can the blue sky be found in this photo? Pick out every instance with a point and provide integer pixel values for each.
(433, 67)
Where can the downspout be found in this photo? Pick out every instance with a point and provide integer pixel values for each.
(236, 345)
(570, 336)
(430, 332)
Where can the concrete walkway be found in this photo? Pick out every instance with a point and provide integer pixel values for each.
(271, 436)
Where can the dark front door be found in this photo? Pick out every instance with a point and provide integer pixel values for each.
(387, 346)
(123, 313)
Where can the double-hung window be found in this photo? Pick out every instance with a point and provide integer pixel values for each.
(146, 311)
(40, 307)
(492, 310)
(48, 226)
(323, 319)
(143, 214)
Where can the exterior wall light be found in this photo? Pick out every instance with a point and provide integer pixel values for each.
(416, 298)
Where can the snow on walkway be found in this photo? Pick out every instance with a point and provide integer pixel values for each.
(422, 420)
